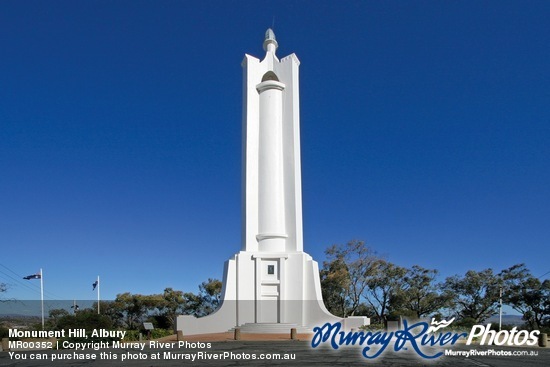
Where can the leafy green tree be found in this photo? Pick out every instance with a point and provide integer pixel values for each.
(344, 276)
(136, 308)
(335, 286)
(419, 293)
(210, 293)
(176, 303)
(54, 316)
(527, 295)
(114, 310)
(475, 295)
(193, 304)
(382, 285)
(131, 310)
(84, 319)
(172, 305)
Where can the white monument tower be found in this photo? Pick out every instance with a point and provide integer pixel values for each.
(271, 285)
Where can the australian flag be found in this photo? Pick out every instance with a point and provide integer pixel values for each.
(34, 276)
(94, 285)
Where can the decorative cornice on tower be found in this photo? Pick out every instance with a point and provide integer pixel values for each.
(291, 57)
(269, 84)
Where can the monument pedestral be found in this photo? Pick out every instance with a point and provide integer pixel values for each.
(271, 283)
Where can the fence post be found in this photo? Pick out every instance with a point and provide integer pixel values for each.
(543, 340)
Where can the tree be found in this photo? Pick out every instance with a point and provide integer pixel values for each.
(210, 296)
(419, 293)
(176, 303)
(84, 319)
(114, 310)
(527, 295)
(136, 307)
(475, 295)
(54, 316)
(335, 285)
(382, 285)
(131, 310)
(344, 276)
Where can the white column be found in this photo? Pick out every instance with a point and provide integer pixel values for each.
(271, 195)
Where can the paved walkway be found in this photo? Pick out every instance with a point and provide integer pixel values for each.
(267, 350)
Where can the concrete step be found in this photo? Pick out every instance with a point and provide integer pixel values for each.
(272, 328)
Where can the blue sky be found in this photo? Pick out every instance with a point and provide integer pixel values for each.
(425, 131)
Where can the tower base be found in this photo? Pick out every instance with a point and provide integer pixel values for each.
(263, 289)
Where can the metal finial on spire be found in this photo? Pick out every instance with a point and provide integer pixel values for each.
(270, 43)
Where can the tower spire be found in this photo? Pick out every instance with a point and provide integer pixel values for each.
(270, 43)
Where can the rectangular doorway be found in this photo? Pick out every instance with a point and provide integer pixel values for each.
(269, 300)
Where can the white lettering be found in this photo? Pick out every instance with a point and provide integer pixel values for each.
(503, 337)
(473, 334)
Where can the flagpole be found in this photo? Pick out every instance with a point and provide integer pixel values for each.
(98, 294)
(500, 311)
(42, 296)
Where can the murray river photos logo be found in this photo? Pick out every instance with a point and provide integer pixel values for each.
(418, 337)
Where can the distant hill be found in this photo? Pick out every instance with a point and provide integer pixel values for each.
(12, 320)
(507, 320)
(10, 316)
